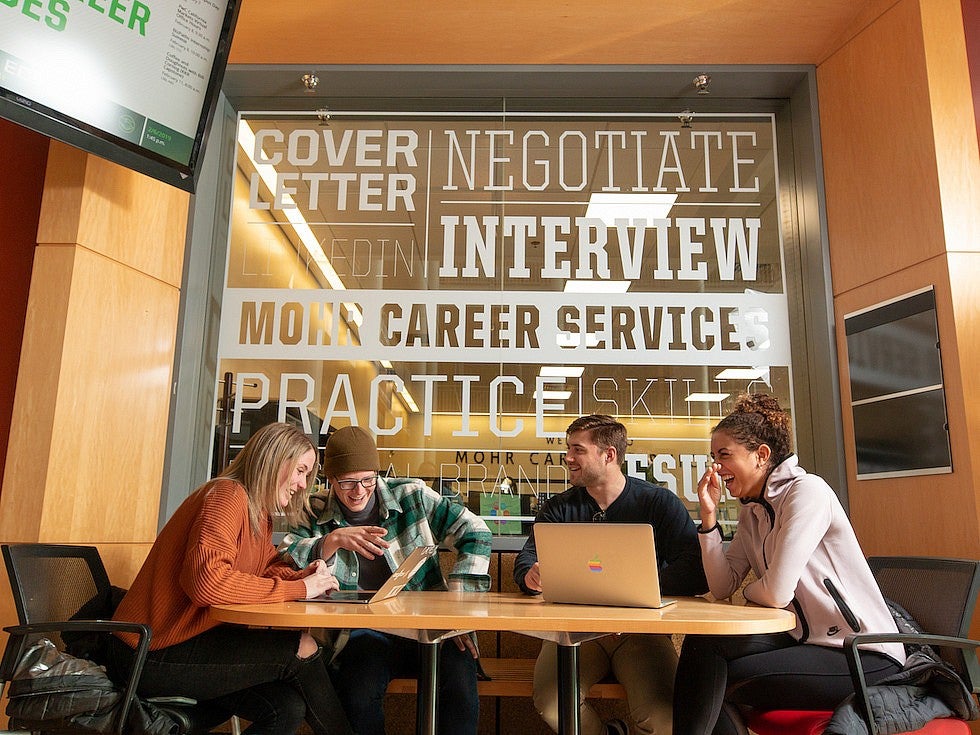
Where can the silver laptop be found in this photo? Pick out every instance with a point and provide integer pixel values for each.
(398, 579)
(599, 564)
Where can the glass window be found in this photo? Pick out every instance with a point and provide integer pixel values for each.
(465, 286)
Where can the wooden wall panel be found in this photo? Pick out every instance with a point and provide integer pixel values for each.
(954, 122)
(965, 296)
(64, 189)
(902, 172)
(34, 436)
(931, 514)
(883, 198)
(113, 211)
(971, 26)
(91, 412)
(116, 373)
(95, 382)
(570, 32)
(123, 561)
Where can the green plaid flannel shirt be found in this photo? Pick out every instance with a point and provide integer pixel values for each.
(414, 515)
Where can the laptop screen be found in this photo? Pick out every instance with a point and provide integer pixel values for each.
(599, 564)
(398, 579)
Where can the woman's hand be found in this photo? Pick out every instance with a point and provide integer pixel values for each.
(318, 580)
(710, 488)
(368, 541)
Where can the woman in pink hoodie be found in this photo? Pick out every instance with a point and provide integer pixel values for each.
(794, 535)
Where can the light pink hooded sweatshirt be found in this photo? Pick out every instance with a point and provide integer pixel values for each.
(800, 544)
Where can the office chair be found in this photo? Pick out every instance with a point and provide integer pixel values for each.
(940, 594)
(51, 583)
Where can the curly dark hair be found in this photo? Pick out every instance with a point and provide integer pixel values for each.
(758, 419)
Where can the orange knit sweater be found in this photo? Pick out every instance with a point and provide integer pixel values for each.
(206, 555)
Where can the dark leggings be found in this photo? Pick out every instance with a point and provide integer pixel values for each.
(237, 671)
(766, 671)
(370, 659)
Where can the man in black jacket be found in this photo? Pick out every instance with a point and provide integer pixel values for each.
(600, 493)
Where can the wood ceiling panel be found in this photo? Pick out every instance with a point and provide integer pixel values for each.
(545, 32)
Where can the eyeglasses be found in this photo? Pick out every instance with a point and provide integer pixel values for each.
(365, 482)
(599, 517)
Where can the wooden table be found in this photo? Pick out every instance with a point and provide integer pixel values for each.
(431, 617)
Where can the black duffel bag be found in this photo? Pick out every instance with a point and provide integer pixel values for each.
(53, 689)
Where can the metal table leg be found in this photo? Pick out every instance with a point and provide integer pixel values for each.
(427, 698)
(568, 690)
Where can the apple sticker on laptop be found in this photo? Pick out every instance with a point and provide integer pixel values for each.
(595, 565)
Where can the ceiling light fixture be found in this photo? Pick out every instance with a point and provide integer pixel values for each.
(597, 286)
(567, 340)
(707, 397)
(406, 398)
(310, 82)
(553, 395)
(630, 207)
(266, 172)
(741, 374)
(561, 371)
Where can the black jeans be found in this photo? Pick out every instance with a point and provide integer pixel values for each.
(370, 659)
(252, 673)
(771, 671)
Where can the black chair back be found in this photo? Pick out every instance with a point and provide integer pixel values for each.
(52, 582)
(940, 594)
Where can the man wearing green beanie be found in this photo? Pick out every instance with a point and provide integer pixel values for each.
(364, 526)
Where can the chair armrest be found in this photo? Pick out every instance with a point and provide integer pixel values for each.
(20, 635)
(80, 626)
(852, 651)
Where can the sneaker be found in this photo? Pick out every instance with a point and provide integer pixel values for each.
(617, 727)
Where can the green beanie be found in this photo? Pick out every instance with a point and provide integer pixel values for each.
(350, 449)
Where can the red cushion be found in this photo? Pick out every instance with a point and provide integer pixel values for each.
(789, 722)
(810, 722)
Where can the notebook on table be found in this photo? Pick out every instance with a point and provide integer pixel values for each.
(599, 564)
(398, 579)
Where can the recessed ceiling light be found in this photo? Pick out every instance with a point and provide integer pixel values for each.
(561, 371)
(707, 397)
(741, 374)
(407, 399)
(597, 286)
(555, 395)
(569, 339)
(631, 207)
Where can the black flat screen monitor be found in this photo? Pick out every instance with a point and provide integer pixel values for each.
(133, 81)
(897, 396)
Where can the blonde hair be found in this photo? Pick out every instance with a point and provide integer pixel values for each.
(269, 455)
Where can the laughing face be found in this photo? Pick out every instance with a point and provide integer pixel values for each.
(292, 481)
(587, 462)
(354, 489)
(742, 470)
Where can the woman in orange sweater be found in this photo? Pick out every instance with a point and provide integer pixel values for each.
(217, 549)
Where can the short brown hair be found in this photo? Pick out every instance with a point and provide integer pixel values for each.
(605, 431)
